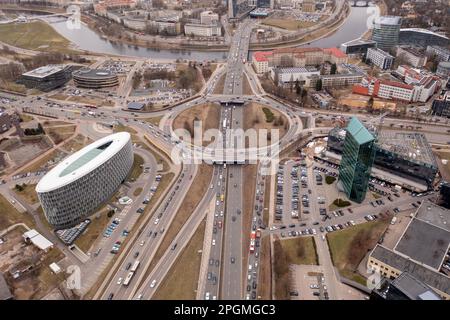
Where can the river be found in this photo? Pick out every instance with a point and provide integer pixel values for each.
(86, 39)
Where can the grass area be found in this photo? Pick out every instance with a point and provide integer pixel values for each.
(75, 144)
(26, 117)
(246, 88)
(330, 179)
(265, 275)
(268, 113)
(291, 251)
(155, 121)
(58, 96)
(208, 114)
(444, 168)
(9, 215)
(27, 192)
(12, 86)
(94, 230)
(35, 35)
(35, 166)
(300, 250)
(182, 279)
(123, 128)
(287, 24)
(137, 192)
(199, 186)
(267, 200)
(161, 158)
(60, 134)
(349, 246)
(43, 219)
(137, 168)
(258, 117)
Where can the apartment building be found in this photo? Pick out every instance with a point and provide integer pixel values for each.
(260, 61)
(413, 56)
(380, 58)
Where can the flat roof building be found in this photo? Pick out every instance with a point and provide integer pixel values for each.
(38, 240)
(358, 46)
(379, 58)
(136, 106)
(46, 78)
(94, 78)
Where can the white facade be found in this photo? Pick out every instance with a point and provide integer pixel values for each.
(413, 58)
(201, 30)
(78, 185)
(380, 58)
(209, 17)
(288, 75)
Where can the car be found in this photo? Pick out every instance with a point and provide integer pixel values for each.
(213, 242)
(110, 296)
(294, 293)
(142, 243)
(136, 254)
(233, 260)
(119, 281)
(152, 285)
(128, 266)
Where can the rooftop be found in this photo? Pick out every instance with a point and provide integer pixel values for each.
(413, 288)
(389, 20)
(93, 73)
(136, 105)
(45, 71)
(358, 41)
(430, 277)
(335, 52)
(424, 243)
(297, 70)
(382, 52)
(359, 132)
(83, 162)
(262, 56)
(420, 30)
(412, 146)
(434, 214)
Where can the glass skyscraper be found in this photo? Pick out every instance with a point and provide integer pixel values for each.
(386, 32)
(357, 160)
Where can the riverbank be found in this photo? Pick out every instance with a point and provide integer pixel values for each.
(91, 23)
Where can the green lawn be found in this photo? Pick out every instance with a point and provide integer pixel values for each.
(99, 221)
(33, 36)
(349, 246)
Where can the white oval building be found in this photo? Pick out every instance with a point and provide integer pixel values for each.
(82, 182)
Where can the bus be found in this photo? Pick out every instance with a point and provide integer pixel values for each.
(128, 279)
(135, 266)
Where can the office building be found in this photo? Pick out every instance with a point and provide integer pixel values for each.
(287, 76)
(443, 69)
(94, 78)
(357, 159)
(386, 31)
(209, 17)
(46, 78)
(422, 37)
(337, 80)
(84, 181)
(301, 57)
(202, 30)
(357, 47)
(441, 53)
(441, 105)
(401, 154)
(379, 58)
(412, 56)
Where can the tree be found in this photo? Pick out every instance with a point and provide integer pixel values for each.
(319, 85)
(333, 68)
(370, 105)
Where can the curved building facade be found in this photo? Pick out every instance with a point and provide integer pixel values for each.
(422, 37)
(386, 31)
(78, 185)
(94, 78)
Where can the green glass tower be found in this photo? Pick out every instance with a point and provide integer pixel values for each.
(357, 160)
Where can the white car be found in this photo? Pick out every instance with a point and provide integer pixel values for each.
(213, 242)
(152, 285)
(157, 220)
(142, 243)
(119, 281)
(207, 296)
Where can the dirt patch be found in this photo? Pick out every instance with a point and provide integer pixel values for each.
(255, 118)
(208, 114)
(182, 279)
(193, 197)
(265, 272)
(220, 85)
(246, 88)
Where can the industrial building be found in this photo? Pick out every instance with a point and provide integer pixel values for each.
(404, 287)
(46, 78)
(82, 182)
(357, 159)
(407, 155)
(94, 78)
(422, 251)
(386, 31)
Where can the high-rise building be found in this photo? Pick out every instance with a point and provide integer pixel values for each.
(357, 160)
(386, 31)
